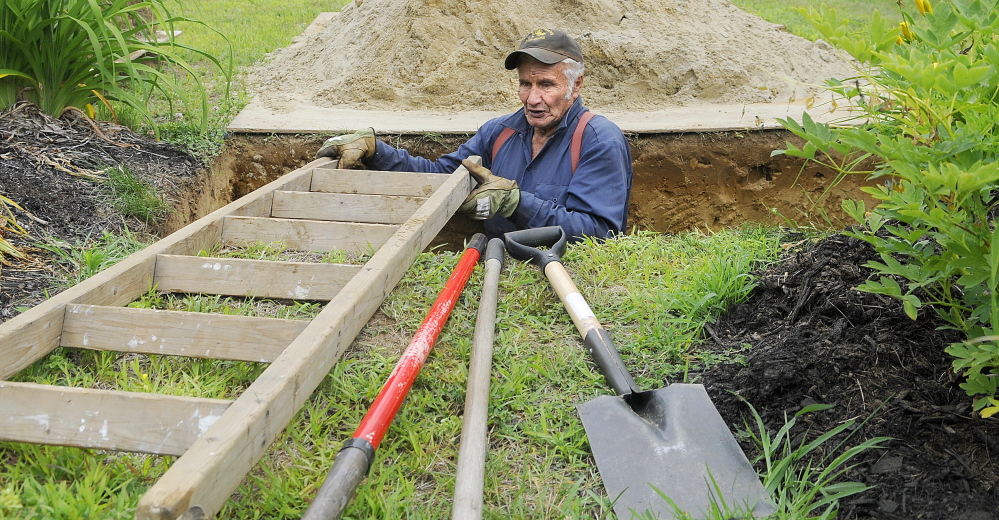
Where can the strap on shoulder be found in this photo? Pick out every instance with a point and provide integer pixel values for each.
(502, 138)
(576, 147)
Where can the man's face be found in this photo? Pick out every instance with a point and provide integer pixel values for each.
(543, 90)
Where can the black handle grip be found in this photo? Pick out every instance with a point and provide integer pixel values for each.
(522, 245)
(478, 243)
(598, 342)
(494, 251)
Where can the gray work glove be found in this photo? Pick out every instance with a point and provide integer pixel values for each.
(350, 149)
(493, 195)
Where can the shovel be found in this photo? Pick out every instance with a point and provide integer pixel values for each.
(660, 453)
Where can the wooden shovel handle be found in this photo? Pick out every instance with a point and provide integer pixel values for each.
(595, 337)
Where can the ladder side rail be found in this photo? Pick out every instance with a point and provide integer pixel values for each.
(31, 335)
(200, 481)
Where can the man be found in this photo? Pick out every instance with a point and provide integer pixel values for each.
(528, 177)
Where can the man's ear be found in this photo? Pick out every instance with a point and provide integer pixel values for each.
(577, 87)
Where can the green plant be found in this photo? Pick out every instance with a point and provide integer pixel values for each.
(801, 478)
(86, 260)
(8, 224)
(66, 55)
(929, 91)
(134, 197)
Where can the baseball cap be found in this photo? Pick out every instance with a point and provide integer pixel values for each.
(549, 46)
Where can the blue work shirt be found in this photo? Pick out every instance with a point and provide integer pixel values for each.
(591, 202)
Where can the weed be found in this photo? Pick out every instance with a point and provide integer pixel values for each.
(133, 197)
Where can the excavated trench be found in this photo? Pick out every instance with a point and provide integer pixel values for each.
(682, 181)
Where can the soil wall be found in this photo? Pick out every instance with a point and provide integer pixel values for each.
(682, 181)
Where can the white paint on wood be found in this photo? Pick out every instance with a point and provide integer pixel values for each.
(104, 419)
(174, 333)
(256, 278)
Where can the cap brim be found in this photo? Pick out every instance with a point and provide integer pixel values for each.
(543, 55)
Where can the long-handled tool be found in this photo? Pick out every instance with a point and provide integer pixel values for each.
(474, 435)
(669, 442)
(357, 454)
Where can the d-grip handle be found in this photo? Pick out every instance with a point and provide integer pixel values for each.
(523, 244)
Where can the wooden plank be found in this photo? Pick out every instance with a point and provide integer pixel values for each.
(202, 480)
(256, 278)
(261, 207)
(103, 419)
(307, 235)
(173, 333)
(345, 207)
(32, 334)
(327, 179)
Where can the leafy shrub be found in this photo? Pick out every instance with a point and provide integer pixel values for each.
(74, 54)
(929, 90)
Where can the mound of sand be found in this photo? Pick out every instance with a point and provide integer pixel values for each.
(447, 55)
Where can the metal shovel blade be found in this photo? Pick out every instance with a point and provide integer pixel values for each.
(672, 440)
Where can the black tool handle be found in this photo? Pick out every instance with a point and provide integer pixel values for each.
(349, 468)
(595, 337)
(523, 245)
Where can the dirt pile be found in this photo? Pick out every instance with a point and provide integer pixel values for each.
(447, 55)
(816, 339)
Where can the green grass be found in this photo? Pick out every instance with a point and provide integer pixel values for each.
(653, 292)
(539, 464)
(783, 12)
(242, 31)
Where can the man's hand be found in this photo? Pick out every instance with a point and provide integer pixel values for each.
(351, 149)
(493, 195)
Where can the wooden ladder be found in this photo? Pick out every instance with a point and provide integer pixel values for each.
(315, 208)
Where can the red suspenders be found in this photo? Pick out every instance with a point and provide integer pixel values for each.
(575, 147)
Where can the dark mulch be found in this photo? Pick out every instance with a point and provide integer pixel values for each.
(818, 340)
(52, 169)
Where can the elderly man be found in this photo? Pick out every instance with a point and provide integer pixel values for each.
(550, 163)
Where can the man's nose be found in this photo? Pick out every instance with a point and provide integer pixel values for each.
(534, 96)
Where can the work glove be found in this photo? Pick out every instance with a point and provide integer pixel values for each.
(350, 149)
(494, 194)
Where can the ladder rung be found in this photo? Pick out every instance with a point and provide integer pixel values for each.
(331, 180)
(345, 207)
(174, 333)
(307, 235)
(256, 278)
(104, 419)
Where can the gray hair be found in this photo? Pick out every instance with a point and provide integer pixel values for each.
(572, 70)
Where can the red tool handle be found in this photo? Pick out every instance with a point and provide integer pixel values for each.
(358, 453)
(383, 410)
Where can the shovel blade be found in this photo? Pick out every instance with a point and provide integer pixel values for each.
(672, 440)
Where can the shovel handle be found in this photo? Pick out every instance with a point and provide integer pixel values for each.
(595, 337)
(523, 244)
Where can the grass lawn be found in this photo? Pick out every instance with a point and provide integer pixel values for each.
(654, 292)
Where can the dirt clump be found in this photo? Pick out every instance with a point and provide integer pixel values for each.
(447, 55)
(816, 339)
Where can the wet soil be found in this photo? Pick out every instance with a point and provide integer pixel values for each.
(816, 339)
